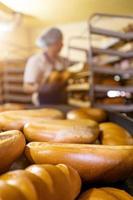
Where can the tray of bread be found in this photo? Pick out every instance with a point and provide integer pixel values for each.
(65, 153)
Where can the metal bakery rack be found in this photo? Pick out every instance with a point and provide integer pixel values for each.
(111, 57)
(11, 75)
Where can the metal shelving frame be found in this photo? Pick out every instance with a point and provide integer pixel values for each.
(95, 68)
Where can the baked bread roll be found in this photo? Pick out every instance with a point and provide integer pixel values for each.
(93, 162)
(12, 144)
(109, 82)
(39, 182)
(37, 185)
(113, 134)
(105, 193)
(24, 185)
(114, 100)
(60, 175)
(11, 120)
(56, 76)
(66, 131)
(87, 113)
(9, 192)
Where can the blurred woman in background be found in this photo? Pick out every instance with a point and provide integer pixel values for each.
(45, 73)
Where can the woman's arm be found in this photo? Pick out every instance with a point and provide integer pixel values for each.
(31, 75)
(30, 87)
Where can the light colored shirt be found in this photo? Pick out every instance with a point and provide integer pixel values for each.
(38, 68)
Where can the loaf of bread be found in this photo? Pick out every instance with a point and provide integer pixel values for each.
(39, 182)
(11, 106)
(15, 120)
(54, 77)
(12, 144)
(93, 162)
(59, 76)
(105, 193)
(87, 113)
(113, 134)
(114, 100)
(109, 82)
(9, 192)
(66, 131)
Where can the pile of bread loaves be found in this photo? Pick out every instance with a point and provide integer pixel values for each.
(63, 152)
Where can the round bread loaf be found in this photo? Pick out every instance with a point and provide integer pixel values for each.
(12, 144)
(105, 193)
(113, 134)
(87, 113)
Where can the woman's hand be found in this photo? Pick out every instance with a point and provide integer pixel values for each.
(31, 87)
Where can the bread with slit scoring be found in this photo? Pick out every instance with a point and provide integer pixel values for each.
(39, 182)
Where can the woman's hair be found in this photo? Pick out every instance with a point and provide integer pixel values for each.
(49, 37)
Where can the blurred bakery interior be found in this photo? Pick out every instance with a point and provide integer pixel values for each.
(98, 48)
(66, 100)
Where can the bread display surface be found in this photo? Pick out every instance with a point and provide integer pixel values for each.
(10, 120)
(12, 144)
(39, 182)
(66, 131)
(105, 193)
(96, 114)
(113, 134)
(93, 162)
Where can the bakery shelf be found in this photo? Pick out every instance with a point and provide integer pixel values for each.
(79, 103)
(108, 59)
(13, 88)
(118, 107)
(77, 87)
(121, 50)
(82, 74)
(20, 98)
(13, 78)
(112, 52)
(104, 32)
(78, 49)
(14, 70)
(112, 71)
(103, 88)
(80, 81)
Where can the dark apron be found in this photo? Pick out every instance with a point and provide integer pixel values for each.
(53, 93)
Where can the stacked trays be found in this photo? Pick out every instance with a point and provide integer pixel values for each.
(13, 83)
